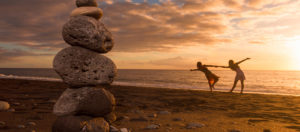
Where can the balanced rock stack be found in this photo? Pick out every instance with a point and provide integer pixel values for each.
(83, 106)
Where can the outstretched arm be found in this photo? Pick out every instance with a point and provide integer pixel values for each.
(216, 66)
(242, 60)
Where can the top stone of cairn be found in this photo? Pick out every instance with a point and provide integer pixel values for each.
(81, 3)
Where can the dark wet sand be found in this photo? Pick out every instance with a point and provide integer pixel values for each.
(33, 101)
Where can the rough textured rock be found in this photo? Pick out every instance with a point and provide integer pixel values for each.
(111, 117)
(89, 33)
(85, 101)
(4, 105)
(194, 125)
(96, 125)
(80, 3)
(79, 67)
(88, 11)
(152, 126)
(80, 124)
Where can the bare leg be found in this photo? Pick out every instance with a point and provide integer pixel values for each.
(210, 86)
(216, 80)
(234, 84)
(242, 86)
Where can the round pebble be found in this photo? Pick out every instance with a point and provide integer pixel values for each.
(80, 3)
(88, 11)
(4, 105)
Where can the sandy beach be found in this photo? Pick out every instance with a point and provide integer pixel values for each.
(172, 110)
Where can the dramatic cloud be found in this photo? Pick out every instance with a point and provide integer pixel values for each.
(10, 55)
(33, 23)
(33, 27)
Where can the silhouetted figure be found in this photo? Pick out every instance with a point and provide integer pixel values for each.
(239, 73)
(211, 78)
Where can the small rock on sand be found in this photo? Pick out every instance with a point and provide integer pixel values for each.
(31, 123)
(177, 119)
(123, 118)
(233, 130)
(152, 126)
(152, 115)
(4, 105)
(2, 125)
(136, 111)
(194, 125)
(20, 126)
(124, 130)
(113, 129)
(164, 113)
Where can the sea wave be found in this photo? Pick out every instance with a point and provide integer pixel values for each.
(2, 76)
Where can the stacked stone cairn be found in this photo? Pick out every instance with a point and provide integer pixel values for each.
(86, 106)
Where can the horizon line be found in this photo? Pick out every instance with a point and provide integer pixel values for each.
(155, 69)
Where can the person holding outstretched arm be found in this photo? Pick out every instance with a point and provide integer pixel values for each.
(239, 73)
(211, 78)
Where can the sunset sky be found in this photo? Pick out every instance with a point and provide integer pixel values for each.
(160, 34)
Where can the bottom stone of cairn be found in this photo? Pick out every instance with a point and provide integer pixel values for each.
(80, 124)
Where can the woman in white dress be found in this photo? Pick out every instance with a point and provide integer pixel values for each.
(239, 73)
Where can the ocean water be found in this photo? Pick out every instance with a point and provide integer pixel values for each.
(263, 82)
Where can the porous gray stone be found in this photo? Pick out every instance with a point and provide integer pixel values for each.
(85, 101)
(80, 3)
(87, 11)
(89, 33)
(80, 124)
(79, 67)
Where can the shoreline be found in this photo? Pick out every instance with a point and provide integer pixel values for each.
(46, 79)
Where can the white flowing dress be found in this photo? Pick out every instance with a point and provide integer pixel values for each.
(239, 74)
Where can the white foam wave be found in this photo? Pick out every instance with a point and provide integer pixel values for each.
(2, 76)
